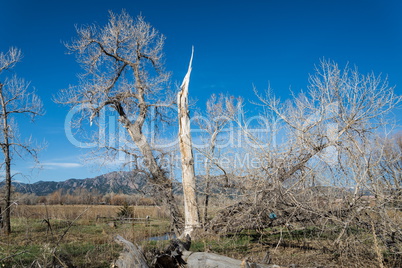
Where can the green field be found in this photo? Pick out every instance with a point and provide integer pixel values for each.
(72, 235)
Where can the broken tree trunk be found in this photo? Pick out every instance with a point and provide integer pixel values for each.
(132, 256)
(191, 214)
(212, 260)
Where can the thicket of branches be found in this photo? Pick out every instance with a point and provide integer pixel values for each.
(328, 159)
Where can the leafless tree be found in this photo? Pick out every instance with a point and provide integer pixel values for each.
(123, 64)
(220, 111)
(15, 99)
(321, 151)
(339, 113)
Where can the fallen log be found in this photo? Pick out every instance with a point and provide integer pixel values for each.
(212, 260)
(131, 256)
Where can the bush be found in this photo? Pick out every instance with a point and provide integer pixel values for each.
(125, 211)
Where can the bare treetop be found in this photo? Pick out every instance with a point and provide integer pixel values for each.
(17, 98)
(353, 102)
(123, 64)
(9, 59)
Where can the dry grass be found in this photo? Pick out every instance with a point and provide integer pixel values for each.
(70, 235)
(89, 243)
(70, 212)
(302, 248)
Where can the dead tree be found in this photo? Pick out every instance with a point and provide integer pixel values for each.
(219, 114)
(324, 145)
(15, 99)
(191, 214)
(123, 64)
(337, 115)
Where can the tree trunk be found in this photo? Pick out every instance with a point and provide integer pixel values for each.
(158, 176)
(206, 203)
(191, 214)
(206, 259)
(7, 162)
(208, 176)
(7, 210)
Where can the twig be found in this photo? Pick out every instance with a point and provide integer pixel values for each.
(279, 242)
(14, 255)
(70, 225)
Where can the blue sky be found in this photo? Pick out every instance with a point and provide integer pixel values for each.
(238, 44)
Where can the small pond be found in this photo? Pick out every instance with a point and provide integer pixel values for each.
(166, 236)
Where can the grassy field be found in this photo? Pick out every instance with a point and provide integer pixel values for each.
(87, 212)
(72, 235)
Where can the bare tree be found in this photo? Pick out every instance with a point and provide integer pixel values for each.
(340, 111)
(15, 98)
(123, 64)
(191, 213)
(219, 114)
(323, 139)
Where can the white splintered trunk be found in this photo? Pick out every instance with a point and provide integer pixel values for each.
(191, 215)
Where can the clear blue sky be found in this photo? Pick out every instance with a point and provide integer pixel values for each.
(238, 44)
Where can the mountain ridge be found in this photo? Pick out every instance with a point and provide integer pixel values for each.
(124, 182)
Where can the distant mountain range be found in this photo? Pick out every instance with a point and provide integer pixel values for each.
(123, 182)
(118, 182)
